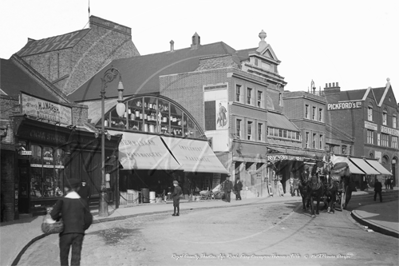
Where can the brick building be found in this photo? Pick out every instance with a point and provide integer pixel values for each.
(307, 110)
(42, 134)
(370, 118)
(70, 59)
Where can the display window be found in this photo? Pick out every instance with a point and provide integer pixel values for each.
(47, 171)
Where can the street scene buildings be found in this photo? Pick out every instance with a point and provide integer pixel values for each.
(196, 115)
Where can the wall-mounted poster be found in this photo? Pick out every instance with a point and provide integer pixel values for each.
(221, 115)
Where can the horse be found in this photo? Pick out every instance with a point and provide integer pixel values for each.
(330, 192)
(303, 188)
(315, 192)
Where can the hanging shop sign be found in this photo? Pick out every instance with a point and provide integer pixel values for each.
(284, 157)
(344, 105)
(46, 110)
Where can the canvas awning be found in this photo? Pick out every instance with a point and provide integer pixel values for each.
(194, 155)
(280, 121)
(144, 152)
(364, 166)
(376, 165)
(352, 167)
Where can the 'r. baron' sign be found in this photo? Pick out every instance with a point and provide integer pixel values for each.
(344, 105)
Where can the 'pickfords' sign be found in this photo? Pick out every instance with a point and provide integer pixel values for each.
(46, 110)
(344, 105)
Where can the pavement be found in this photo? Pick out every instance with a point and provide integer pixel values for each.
(17, 236)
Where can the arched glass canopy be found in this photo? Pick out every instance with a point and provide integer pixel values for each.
(154, 114)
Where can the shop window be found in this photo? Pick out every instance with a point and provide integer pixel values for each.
(280, 133)
(370, 136)
(46, 172)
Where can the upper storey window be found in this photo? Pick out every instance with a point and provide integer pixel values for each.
(249, 96)
(238, 93)
(370, 113)
(384, 118)
(306, 110)
(394, 121)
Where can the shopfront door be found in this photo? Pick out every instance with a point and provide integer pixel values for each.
(23, 195)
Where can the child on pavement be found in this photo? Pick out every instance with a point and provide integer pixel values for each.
(177, 191)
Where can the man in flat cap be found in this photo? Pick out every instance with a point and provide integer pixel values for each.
(76, 219)
(177, 191)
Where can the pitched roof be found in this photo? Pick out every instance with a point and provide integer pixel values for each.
(378, 93)
(140, 74)
(352, 95)
(16, 78)
(54, 43)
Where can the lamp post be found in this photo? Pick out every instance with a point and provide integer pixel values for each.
(108, 77)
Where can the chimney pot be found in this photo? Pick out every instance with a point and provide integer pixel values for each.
(172, 48)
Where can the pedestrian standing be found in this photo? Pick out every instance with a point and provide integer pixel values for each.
(227, 188)
(386, 183)
(377, 190)
(76, 218)
(177, 191)
(391, 182)
(85, 193)
(238, 188)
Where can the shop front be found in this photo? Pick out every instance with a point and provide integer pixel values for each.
(49, 154)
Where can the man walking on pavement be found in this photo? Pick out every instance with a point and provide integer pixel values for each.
(377, 190)
(227, 188)
(238, 188)
(176, 198)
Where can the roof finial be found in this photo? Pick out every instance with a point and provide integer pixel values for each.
(388, 81)
(262, 44)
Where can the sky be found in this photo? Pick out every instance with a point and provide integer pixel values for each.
(355, 43)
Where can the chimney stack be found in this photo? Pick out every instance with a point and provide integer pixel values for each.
(196, 41)
(332, 87)
(172, 46)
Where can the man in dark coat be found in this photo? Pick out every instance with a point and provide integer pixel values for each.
(85, 193)
(76, 218)
(227, 188)
(377, 190)
(177, 191)
(238, 188)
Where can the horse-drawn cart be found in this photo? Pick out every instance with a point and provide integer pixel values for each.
(340, 173)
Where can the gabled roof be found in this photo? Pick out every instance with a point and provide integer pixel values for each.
(140, 74)
(16, 78)
(352, 95)
(54, 43)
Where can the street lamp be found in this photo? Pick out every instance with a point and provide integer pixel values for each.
(108, 77)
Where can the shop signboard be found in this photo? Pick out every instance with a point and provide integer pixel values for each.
(344, 105)
(46, 110)
(389, 131)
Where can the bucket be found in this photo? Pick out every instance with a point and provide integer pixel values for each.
(145, 195)
(152, 196)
